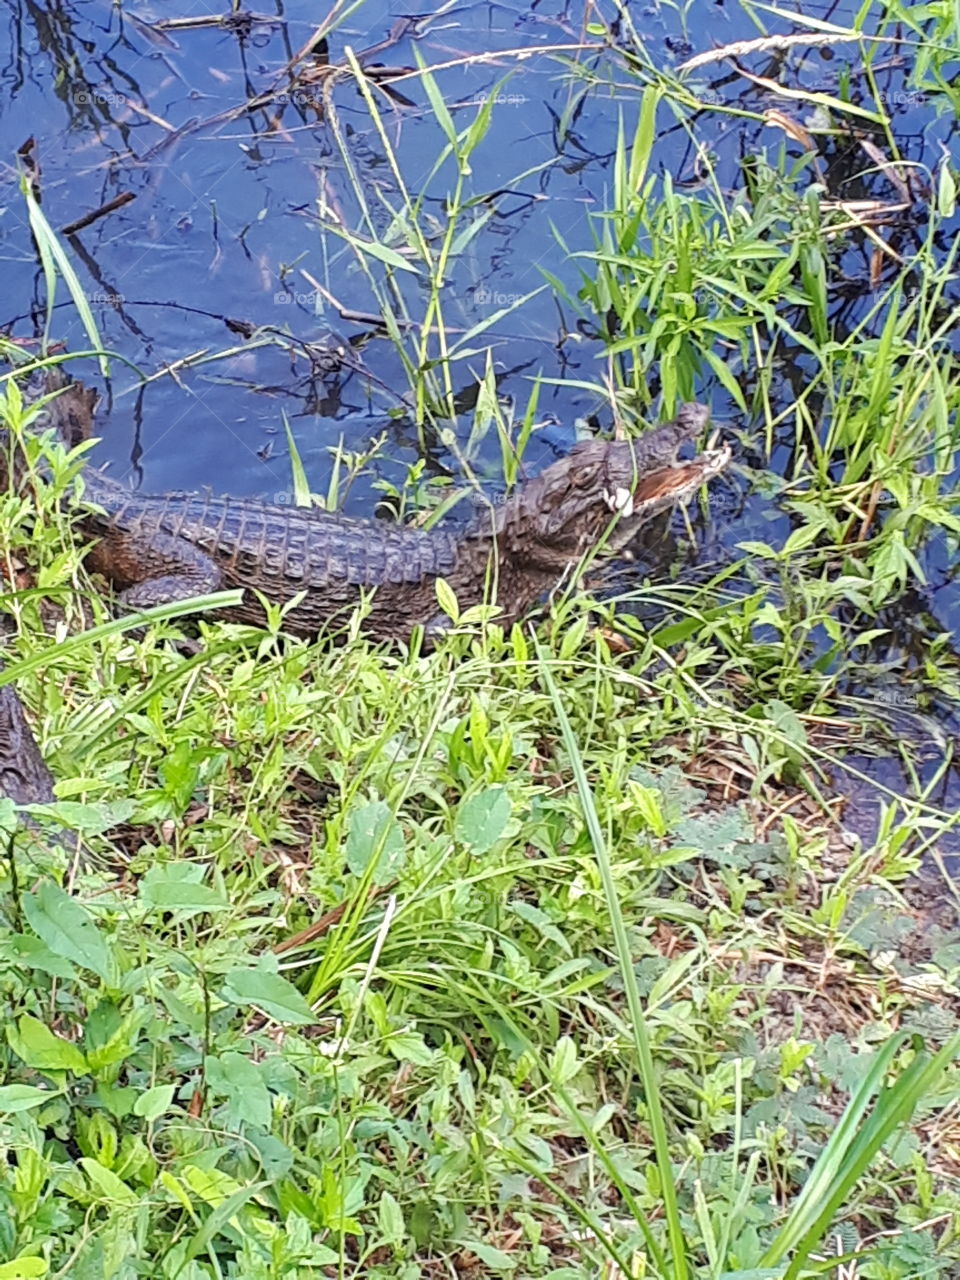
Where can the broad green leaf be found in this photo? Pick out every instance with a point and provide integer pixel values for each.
(643, 138)
(725, 374)
(930, 511)
(493, 1258)
(233, 1075)
(946, 191)
(340, 1199)
(481, 820)
(23, 1269)
(90, 819)
(373, 832)
(175, 1188)
(390, 1224)
(757, 549)
(787, 721)
(867, 637)
(110, 1044)
(154, 1102)
(801, 538)
(176, 887)
(563, 1061)
(408, 1046)
(278, 998)
(224, 1213)
(374, 248)
(67, 928)
(470, 230)
(212, 1186)
(30, 951)
(8, 815)
(676, 633)
(539, 1149)
(542, 923)
(444, 119)
(118, 1100)
(446, 599)
(34, 1042)
(21, 1097)
(108, 1184)
(647, 802)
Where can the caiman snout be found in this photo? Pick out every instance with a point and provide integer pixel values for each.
(604, 490)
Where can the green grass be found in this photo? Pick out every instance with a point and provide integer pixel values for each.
(606, 991)
(469, 1063)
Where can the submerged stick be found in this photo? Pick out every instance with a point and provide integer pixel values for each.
(116, 203)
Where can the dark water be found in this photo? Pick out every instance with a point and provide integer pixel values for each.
(222, 210)
(232, 221)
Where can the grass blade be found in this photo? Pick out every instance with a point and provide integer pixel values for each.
(158, 613)
(648, 1073)
(301, 486)
(51, 251)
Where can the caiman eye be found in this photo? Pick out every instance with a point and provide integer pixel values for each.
(585, 475)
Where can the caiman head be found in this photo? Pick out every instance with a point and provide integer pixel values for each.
(604, 490)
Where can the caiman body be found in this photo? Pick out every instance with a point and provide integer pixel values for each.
(156, 549)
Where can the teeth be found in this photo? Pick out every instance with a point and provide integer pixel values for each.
(621, 500)
(624, 502)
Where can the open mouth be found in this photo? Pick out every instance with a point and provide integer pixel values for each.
(620, 500)
(671, 483)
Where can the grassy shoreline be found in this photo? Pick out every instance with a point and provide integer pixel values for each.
(448, 1070)
(549, 954)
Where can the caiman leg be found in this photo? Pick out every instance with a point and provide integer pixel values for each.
(159, 569)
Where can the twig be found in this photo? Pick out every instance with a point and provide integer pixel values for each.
(326, 922)
(170, 139)
(766, 44)
(116, 203)
(149, 115)
(493, 58)
(218, 20)
(345, 313)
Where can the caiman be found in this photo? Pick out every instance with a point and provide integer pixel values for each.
(158, 549)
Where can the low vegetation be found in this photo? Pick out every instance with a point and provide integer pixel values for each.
(550, 954)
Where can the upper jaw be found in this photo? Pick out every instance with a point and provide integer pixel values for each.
(667, 485)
